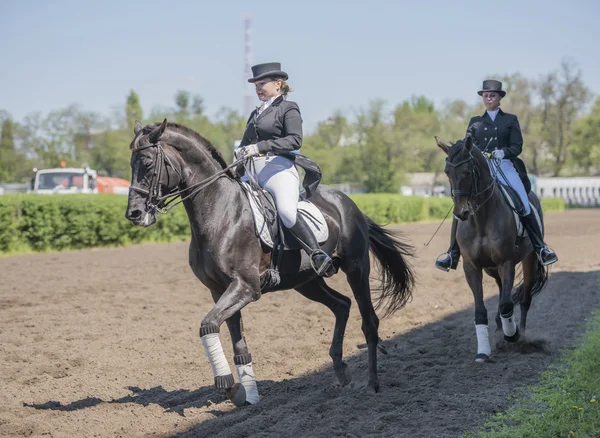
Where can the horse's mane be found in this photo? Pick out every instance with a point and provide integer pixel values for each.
(455, 149)
(458, 147)
(203, 141)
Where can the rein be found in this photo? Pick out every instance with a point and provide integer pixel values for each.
(155, 202)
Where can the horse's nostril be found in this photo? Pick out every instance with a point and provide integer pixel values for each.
(135, 214)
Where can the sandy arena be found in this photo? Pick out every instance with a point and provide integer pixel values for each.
(104, 343)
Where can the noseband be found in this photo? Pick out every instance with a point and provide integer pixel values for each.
(158, 203)
(474, 192)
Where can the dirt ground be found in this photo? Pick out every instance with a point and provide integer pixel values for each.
(104, 342)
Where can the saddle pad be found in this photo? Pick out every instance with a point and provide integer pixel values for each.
(311, 213)
(511, 196)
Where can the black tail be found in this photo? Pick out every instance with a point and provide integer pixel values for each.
(396, 275)
(541, 278)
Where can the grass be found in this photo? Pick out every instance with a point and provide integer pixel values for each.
(565, 403)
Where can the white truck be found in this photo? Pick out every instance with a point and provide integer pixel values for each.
(72, 180)
(65, 180)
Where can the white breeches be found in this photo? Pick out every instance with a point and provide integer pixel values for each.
(278, 175)
(510, 177)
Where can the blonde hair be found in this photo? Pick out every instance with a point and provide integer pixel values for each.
(285, 87)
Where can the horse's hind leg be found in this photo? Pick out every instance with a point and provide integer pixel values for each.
(243, 364)
(529, 268)
(506, 305)
(358, 277)
(339, 304)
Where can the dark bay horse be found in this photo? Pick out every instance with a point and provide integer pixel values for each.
(226, 255)
(487, 237)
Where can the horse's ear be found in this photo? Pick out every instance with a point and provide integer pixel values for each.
(137, 127)
(469, 143)
(443, 146)
(158, 132)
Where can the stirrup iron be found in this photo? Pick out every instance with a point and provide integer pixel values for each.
(327, 264)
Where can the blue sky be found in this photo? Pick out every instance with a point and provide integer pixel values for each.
(338, 55)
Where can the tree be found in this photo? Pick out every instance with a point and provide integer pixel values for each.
(198, 105)
(586, 142)
(563, 96)
(8, 154)
(182, 100)
(378, 155)
(133, 109)
(519, 100)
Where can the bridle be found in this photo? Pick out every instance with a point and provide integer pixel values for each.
(158, 203)
(474, 192)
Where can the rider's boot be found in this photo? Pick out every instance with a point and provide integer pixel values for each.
(453, 254)
(320, 261)
(546, 255)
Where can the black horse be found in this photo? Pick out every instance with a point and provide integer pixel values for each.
(487, 237)
(227, 256)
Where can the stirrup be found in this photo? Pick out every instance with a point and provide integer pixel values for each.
(447, 254)
(550, 262)
(326, 266)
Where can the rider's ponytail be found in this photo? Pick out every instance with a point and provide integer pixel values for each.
(285, 88)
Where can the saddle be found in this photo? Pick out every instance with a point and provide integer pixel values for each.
(271, 231)
(513, 200)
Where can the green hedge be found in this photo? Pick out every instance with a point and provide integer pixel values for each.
(41, 223)
(391, 208)
(553, 204)
(59, 222)
(386, 208)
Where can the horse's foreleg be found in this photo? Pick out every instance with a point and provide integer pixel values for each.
(339, 304)
(505, 305)
(237, 295)
(243, 363)
(494, 274)
(474, 276)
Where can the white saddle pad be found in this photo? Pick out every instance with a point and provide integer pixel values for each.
(521, 231)
(314, 217)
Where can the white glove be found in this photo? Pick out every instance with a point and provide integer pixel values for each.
(498, 154)
(246, 152)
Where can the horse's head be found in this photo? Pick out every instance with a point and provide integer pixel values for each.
(150, 176)
(465, 167)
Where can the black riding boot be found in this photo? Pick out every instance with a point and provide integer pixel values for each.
(321, 262)
(547, 256)
(453, 254)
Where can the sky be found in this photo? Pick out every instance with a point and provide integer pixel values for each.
(339, 55)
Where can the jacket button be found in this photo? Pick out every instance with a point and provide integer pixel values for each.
(495, 138)
(485, 129)
(485, 138)
(496, 128)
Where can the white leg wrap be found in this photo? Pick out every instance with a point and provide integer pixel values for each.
(483, 339)
(248, 380)
(509, 326)
(214, 352)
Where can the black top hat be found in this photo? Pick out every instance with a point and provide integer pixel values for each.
(267, 70)
(492, 85)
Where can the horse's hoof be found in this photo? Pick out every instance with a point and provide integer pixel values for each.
(373, 386)
(482, 358)
(514, 338)
(237, 395)
(343, 375)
